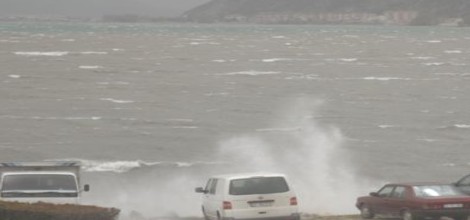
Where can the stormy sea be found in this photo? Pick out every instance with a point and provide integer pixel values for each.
(152, 110)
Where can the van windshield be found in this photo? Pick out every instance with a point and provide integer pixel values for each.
(258, 185)
(39, 182)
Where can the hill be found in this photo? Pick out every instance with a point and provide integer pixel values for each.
(396, 12)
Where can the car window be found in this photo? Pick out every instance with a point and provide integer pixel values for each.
(399, 192)
(464, 181)
(385, 191)
(258, 185)
(435, 191)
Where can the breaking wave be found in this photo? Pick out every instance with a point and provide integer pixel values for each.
(129, 165)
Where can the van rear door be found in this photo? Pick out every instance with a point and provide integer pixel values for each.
(261, 196)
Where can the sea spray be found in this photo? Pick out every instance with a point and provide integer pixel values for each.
(310, 153)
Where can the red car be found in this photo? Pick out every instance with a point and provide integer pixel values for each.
(413, 201)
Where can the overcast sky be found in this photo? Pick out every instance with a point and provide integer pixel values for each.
(97, 8)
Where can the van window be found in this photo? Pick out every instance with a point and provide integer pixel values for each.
(213, 187)
(258, 185)
(208, 185)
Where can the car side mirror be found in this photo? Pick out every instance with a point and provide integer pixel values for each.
(86, 188)
(200, 190)
(374, 194)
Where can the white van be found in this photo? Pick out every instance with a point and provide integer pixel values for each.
(249, 196)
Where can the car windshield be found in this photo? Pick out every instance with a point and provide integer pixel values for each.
(435, 191)
(39, 182)
(258, 185)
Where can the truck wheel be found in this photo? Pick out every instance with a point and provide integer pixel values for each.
(366, 213)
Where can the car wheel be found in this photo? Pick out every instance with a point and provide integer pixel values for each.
(461, 218)
(366, 213)
(407, 215)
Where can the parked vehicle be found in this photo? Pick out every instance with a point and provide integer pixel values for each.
(249, 196)
(52, 182)
(412, 201)
(464, 184)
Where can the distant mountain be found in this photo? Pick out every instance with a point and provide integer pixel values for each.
(400, 12)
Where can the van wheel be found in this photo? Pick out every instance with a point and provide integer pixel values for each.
(206, 217)
(366, 213)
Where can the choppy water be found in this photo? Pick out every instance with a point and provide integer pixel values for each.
(152, 110)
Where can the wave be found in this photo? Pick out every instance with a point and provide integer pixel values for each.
(117, 100)
(93, 118)
(93, 53)
(90, 67)
(384, 78)
(461, 126)
(14, 76)
(452, 51)
(251, 73)
(37, 53)
(129, 165)
(57, 53)
(457, 126)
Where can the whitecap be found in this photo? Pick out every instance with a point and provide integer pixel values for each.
(279, 129)
(110, 166)
(94, 53)
(434, 41)
(461, 126)
(387, 126)
(68, 40)
(427, 140)
(434, 64)
(452, 51)
(272, 60)
(348, 59)
(278, 37)
(185, 127)
(251, 73)
(90, 67)
(384, 78)
(423, 58)
(219, 61)
(113, 83)
(117, 100)
(37, 53)
(94, 118)
(448, 164)
(181, 119)
(14, 76)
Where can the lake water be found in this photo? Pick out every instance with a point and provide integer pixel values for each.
(152, 110)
